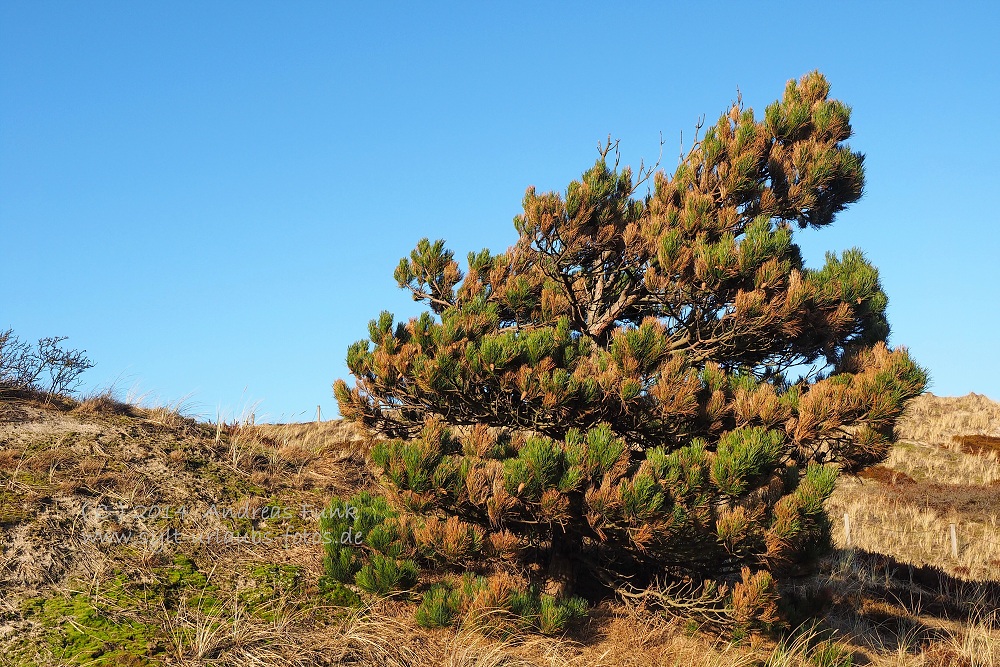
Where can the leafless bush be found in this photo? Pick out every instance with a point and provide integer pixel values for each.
(47, 367)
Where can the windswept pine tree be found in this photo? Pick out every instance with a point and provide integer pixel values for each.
(644, 387)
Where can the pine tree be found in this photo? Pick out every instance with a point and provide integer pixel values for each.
(646, 387)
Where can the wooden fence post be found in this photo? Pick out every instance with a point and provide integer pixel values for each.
(954, 541)
(318, 417)
(847, 528)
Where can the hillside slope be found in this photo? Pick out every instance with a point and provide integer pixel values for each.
(131, 536)
(105, 506)
(935, 478)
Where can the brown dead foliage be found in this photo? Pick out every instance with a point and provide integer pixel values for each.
(978, 444)
(886, 475)
(9, 458)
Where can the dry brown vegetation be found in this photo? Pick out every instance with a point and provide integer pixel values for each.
(904, 508)
(896, 597)
(935, 420)
(978, 444)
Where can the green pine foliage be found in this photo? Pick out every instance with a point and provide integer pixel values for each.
(438, 608)
(382, 575)
(480, 602)
(642, 388)
(364, 547)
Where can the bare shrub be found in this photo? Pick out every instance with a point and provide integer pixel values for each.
(47, 367)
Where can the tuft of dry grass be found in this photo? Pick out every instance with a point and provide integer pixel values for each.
(171, 415)
(474, 650)
(231, 636)
(371, 636)
(105, 403)
(317, 436)
(300, 456)
(978, 643)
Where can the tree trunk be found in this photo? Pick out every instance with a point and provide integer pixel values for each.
(561, 574)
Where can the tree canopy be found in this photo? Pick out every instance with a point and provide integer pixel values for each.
(646, 386)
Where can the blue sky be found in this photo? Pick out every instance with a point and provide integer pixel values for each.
(210, 198)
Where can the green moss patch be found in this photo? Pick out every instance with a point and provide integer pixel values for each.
(271, 582)
(78, 630)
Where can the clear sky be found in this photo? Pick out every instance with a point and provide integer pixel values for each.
(211, 197)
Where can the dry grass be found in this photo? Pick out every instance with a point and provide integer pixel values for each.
(232, 636)
(888, 520)
(983, 445)
(945, 464)
(904, 507)
(301, 456)
(875, 608)
(107, 402)
(316, 436)
(935, 419)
